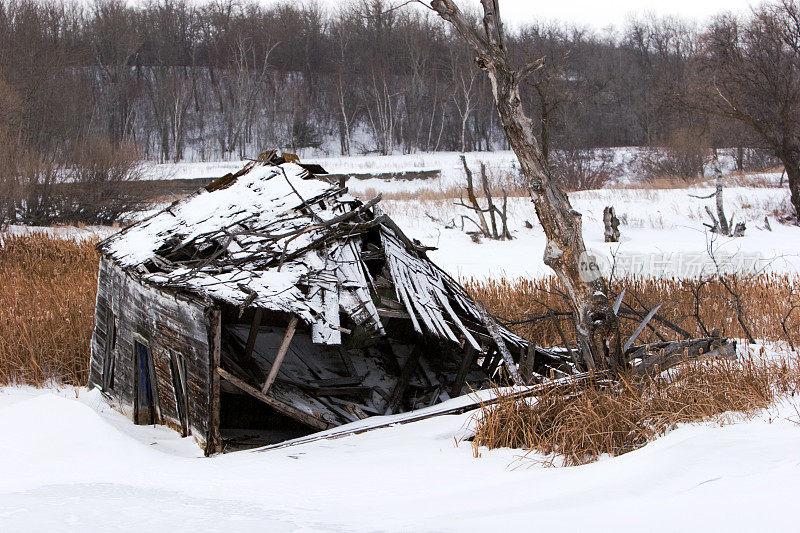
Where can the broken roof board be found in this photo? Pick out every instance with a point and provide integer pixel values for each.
(267, 239)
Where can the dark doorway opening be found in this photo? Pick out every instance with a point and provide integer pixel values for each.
(144, 390)
(245, 422)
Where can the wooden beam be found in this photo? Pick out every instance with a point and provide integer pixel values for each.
(463, 370)
(213, 435)
(573, 355)
(253, 335)
(276, 365)
(361, 391)
(526, 363)
(393, 313)
(494, 331)
(402, 382)
(475, 403)
(278, 405)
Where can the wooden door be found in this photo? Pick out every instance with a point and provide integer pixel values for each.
(144, 390)
(178, 368)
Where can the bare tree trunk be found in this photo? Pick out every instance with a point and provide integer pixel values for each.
(792, 166)
(597, 325)
(487, 190)
(723, 222)
(474, 200)
(610, 224)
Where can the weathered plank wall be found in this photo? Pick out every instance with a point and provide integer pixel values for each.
(167, 322)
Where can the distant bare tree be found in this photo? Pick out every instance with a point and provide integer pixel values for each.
(464, 95)
(596, 322)
(751, 72)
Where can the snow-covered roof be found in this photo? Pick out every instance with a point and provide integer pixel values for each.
(275, 237)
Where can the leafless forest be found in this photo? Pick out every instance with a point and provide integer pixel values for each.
(88, 89)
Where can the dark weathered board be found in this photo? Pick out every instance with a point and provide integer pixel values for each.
(167, 322)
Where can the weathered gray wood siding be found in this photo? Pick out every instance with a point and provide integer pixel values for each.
(167, 322)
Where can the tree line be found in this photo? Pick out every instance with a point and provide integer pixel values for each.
(173, 79)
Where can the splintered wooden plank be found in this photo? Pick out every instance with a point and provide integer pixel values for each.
(466, 363)
(393, 313)
(337, 382)
(444, 300)
(414, 298)
(354, 390)
(324, 296)
(492, 328)
(348, 364)
(423, 301)
(276, 365)
(278, 405)
(402, 382)
(428, 292)
(404, 297)
(425, 287)
(352, 276)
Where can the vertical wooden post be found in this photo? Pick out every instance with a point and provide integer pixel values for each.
(463, 370)
(526, 362)
(251, 338)
(402, 382)
(213, 436)
(276, 365)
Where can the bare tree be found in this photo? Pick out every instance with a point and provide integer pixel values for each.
(464, 96)
(597, 324)
(751, 72)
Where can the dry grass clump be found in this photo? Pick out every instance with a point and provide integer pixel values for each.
(47, 295)
(581, 422)
(770, 306)
(662, 182)
(442, 193)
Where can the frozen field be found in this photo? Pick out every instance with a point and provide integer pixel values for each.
(662, 229)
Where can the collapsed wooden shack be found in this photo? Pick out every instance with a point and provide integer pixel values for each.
(272, 304)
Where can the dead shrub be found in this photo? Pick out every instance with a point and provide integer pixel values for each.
(47, 296)
(581, 422)
(684, 156)
(88, 185)
(580, 169)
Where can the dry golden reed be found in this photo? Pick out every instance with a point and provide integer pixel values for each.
(770, 306)
(47, 295)
(579, 423)
(48, 287)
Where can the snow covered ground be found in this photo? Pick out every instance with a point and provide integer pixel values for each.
(662, 232)
(70, 463)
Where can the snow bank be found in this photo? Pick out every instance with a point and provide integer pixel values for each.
(71, 464)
